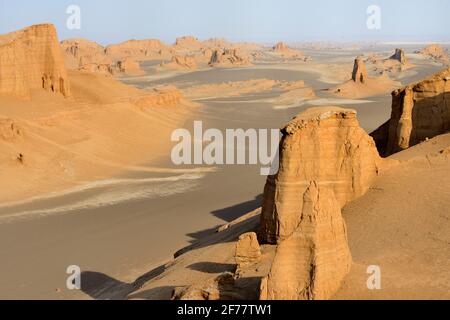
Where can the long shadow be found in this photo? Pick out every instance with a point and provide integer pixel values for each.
(213, 267)
(100, 286)
(227, 214)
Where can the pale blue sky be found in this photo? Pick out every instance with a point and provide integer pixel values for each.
(111, 21)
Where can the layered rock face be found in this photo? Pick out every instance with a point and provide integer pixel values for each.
(419, 111)
(399, 55)
(359, 74)
(129, 66)
(138, 49)
(325, 145)
(280, 47)
(80, 52)
(313, 261)
(31, 59)
(181, 62)
(228, 57)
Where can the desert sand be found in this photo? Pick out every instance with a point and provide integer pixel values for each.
(87, 178)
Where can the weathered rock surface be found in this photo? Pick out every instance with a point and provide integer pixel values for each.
(248, 251)
(228, 58)
(138, 49)
(314, 260)
(181, 63)
(325, 145)
(419, 111)
(219, 288)
(399, 55)
(359, 73)
(435, 52)
(31, 59)
(129, 66)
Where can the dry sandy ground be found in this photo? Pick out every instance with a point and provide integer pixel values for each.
(104, 129)
(400, 225)
(140, 208)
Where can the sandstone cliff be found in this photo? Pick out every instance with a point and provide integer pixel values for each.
(31, 59)
(313, 261)
(359, 73)
(228, 58)
(325, 145)
(419, 111)
(435, 52)
(399, 55)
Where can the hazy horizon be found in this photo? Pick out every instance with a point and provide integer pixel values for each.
(264, 21)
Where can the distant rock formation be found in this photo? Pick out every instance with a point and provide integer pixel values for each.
(435, 52)
(228, 58)
(359, 74)
(187, 42)
(138, 49)
(81, 52)
(167, 96)
(313, 261)
(325, 145)
(399, 55)
(419, 111)
(129, 66)
(326, 160)
(31, 59)
(281, 47)
(181, 62)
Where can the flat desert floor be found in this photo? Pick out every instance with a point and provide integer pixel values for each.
(119, 228)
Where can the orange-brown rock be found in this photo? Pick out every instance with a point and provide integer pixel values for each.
(419, 111)
(31, 59)
(138, 49)
(228, 58)
(399, 55)
(325, 145)
(313, 261)
(181, 63)
(187, 42)
(248, 251)
(435, 52)
(81, 52)
(359, 73)
(218, 288)
(129, 66)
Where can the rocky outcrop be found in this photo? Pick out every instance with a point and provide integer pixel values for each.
(326, 160)
(435, 52)
(280, 47)
(399, 55)
(325, 145)
(187, 42)
(31, 59)
(81, 52)
(313, 261)
(359, 74)
(419, 111)
(129, 66)
(181, 63)
(218, 288)
(138, 49)
(248, 251)
(228, 58)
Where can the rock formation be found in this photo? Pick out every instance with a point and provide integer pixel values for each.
(181, 63)
(399, 55)
(228, 58)
(419, 111)
(218, 288)
(129, 66)
(81, 52)
(187, 42)
(280, 47)
(325, 145)
(31, 59)
(313, 261)
(167, 96)
(248, 251)
(138, 49)
(435, 52)
(326, 160)
(359, 74)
